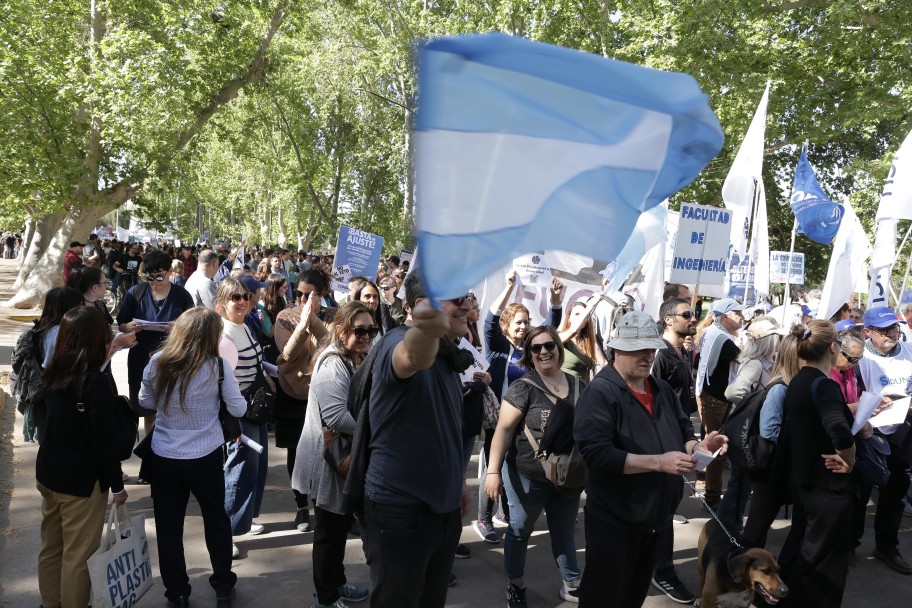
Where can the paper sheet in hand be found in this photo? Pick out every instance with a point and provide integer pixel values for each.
(479, 363)
(703, 459)
(151, 325)
(866, 404)
(533, 270)
(895, 414)
(270, 370)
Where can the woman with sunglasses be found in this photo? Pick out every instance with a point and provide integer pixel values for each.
(153, 300)
(327, 408)
(845, 372)
(369, 294)
(245, 469)
(391, 311)
(298, 332)
(505, 327)
(535, 404)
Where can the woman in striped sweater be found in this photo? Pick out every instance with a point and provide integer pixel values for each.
(245, 469)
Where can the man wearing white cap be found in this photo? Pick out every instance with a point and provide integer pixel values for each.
(637, 443)
(717, 367)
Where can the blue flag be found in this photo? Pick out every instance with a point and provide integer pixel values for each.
(522, 146)
(818, 217)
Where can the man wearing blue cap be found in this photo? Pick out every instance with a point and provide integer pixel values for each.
(717, 367)
(887, 369)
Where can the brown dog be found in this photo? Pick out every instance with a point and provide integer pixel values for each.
(730, 576)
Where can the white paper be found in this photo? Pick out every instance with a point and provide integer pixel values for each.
(340, 277)
(533, 270)
(270, 369)
(704, 459)
(151, 325)
(866, 404)
(894, 414)
(479, 363)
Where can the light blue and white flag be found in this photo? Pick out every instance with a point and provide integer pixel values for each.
(522, 146)
(818, 217)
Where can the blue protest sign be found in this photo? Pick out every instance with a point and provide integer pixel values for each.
(358, 253)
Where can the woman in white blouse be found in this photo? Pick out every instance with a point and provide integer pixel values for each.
(181, 385)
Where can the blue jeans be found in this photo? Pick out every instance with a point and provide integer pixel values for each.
(245, 478)
(527, 497)
(734, 503)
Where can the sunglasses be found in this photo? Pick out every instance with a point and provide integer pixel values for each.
(459, 301)
(684, 315)
(298, 294)
(237, 297)
(852, 360)
(549, 346)
(387, 287)
(362, 332)
(158, 276)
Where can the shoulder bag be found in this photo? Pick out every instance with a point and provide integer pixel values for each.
(337, 447)
(563, 470)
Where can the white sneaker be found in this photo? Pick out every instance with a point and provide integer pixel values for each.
(256, 529)
(569, 591)
(235, 552)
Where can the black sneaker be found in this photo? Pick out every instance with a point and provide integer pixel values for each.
(516, 596)
(463, 552)
(451, 580)
(674, 588)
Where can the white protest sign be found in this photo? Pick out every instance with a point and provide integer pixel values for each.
(341, 275)
(532, 269)
(406, 256)
(778, 263)
(701, 249)
(479, 363)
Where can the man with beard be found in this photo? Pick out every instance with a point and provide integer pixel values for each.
(673, 365)
(886, 369)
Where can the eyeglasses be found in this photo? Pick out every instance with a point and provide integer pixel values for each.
(362, 332)
(684, 315)
(237, 297)
(549, 346)
(387, 287)
(158, 276)
(884, 331)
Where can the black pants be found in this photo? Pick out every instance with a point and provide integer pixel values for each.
(329, 553)
(300, 499)
(410, 552)
(815, 557)
(765, 503)
(890, 505)
(172, 482)
(619, 565)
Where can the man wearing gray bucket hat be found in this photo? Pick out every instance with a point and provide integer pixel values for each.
(638, 443)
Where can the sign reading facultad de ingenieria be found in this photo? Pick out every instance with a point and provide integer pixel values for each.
(701, 249)
(359, 251)
(778, 263)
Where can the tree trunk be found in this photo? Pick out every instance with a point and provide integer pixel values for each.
(26, 240)
(44, 229)
(47, 270)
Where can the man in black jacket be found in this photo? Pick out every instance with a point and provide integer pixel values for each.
(637, 443)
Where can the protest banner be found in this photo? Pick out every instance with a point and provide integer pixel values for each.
(741, 270)
(406, 256)
(701, 248)
(357, 250)
(778, 264)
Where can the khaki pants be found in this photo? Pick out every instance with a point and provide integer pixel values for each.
(713, 413)
(70, 534)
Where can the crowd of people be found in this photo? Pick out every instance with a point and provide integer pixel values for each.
(366, 396)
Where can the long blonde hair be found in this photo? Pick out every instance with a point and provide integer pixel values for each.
(193, 340)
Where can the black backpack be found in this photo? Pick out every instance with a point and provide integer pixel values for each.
(746, 448)
(26, 381)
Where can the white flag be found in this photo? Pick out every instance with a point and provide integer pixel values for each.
(882, 263)
(896, 200)
(851, 249)
(738, 189)
(239, 260)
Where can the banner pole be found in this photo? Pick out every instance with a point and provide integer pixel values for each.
(753, 242)
(786, 300)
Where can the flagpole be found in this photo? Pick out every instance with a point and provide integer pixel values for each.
(753, 242)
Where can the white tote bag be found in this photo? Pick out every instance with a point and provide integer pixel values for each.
(121, 570)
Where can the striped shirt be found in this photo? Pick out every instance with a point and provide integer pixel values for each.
(238, 344)
(191, 431)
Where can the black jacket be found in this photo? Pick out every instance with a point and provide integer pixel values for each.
(610, 423)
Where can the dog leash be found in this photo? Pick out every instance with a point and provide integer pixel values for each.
(691, 485)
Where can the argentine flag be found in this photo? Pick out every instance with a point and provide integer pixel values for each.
(522, 146)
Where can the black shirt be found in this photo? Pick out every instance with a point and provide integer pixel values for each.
(674, 367)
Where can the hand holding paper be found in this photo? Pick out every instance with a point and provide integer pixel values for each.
(705, 458)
